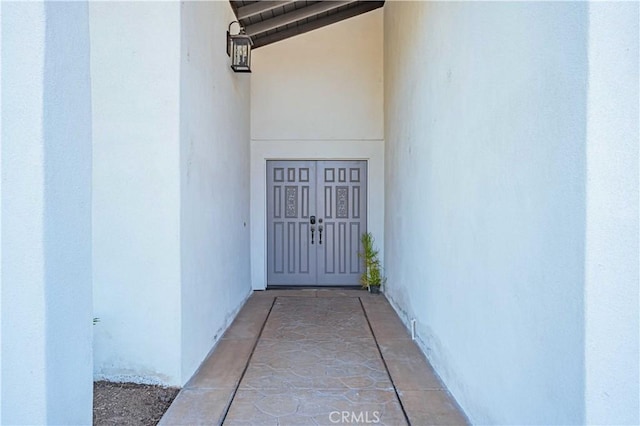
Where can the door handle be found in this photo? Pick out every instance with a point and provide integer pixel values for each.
(320, 230)
(313, 229)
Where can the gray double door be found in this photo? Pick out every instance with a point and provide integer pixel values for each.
(316, 213)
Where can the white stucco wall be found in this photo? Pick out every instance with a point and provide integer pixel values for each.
(318, 95)
(171, 187)
(214, 174)
(22, 211)
(322, 85)
(612, 256)
(485, 125)
(46, 214)
(135, 60)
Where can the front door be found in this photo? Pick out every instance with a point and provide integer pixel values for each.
(316, 213)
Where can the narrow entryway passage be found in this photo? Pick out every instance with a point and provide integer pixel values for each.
(315, 357)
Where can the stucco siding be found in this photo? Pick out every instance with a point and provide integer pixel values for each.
(214, 181)
(485, 124)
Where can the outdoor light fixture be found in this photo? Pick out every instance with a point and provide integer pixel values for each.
(239, 49)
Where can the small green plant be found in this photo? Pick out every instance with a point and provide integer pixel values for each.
(372, 274)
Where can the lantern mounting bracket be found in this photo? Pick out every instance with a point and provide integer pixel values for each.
(229, 36)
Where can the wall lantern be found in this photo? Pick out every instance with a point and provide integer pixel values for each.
(239, 49)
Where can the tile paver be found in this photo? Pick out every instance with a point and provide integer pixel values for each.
(198, 407)
(223, 371)
(431, 407)
(314, 407)
(413, 375)
(309, 357)
(400, 349)
(388, 328)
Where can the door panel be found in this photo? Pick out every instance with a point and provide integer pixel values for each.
(290, 200)
(335, 193)
(343, 203)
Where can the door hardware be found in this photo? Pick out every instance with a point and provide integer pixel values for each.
(320, 230)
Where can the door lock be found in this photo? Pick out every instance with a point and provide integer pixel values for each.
(312, 221)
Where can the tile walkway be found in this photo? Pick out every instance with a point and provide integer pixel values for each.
(315, 357)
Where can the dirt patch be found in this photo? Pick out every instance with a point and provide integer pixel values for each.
(130, 403)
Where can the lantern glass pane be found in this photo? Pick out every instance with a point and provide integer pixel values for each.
(241, 54)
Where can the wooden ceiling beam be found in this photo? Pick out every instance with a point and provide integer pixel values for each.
(364, 7)
(294, 16)
(253, 9)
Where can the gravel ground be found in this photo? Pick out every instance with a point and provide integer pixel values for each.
(130, 403)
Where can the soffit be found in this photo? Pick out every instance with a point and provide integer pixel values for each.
(272, 21)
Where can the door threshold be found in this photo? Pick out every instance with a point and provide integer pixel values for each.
(314, 287)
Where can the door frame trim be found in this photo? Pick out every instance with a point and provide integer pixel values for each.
(263, 150)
